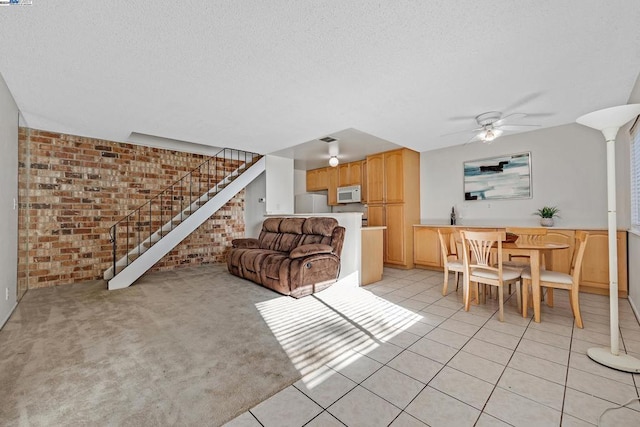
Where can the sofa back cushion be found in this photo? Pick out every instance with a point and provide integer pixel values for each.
(285, 234)
(281, 234)
(318, 230)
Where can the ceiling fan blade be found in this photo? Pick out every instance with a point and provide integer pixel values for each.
(522, 102)
(507, 117)
(518, 127)
(462, 131)
(474, 138)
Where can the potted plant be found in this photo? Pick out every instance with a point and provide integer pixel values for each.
(546, 215)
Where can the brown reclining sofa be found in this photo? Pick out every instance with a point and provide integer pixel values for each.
(293, 256)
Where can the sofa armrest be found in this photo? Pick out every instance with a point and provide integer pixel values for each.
(248, 243)
(311, 249)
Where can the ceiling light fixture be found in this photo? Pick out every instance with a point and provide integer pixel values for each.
(489, 134)
(333, 161)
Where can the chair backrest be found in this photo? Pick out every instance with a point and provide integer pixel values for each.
(479, 245)
(446, 247)
(527, 234)
(578, 255)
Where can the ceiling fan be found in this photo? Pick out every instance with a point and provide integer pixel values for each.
(492, 124)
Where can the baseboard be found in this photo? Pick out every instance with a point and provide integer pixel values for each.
(8, 315)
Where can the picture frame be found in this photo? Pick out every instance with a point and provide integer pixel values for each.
(504, 177)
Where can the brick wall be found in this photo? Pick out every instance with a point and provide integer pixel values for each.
(72, 189)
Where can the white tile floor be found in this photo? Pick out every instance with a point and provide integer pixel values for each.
(460, 368)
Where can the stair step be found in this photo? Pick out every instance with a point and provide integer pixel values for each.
(202, 202)
(120, 268)
(176, 221)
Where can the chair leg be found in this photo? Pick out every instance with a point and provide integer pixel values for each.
(501, 302)
(466, 286)
(574, 299)
(525, 297)
(457, 276)
(550, 297)
(446, 282)
(518, 293)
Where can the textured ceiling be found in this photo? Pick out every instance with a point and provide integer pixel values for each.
(268, 75)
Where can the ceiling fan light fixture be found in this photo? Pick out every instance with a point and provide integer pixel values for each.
(333, 161)
(490, 134)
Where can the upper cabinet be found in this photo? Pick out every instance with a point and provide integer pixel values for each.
(318, 179)
(387, 173)
(332, 181)
(375, 178)
(350, 174)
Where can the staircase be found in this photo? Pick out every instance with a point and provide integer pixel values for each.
(147, 234)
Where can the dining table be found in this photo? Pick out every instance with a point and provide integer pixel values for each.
(535, 251)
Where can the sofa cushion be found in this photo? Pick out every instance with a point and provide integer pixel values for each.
(312, 249)
(322, 226)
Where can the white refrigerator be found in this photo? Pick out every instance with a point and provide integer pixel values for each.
(311, 203)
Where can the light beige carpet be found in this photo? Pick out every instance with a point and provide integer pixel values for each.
(194, 346)
(185, 348)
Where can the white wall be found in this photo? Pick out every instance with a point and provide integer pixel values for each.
(279, 185)
(568, 171)
(8, 199)
(276, 187)
(299, 181)
(254, 208)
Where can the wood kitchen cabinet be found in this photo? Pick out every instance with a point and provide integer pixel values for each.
(426, 247)
(363, 185)
(393, 188)
(375, 178)
(350, 174)
(595, 264)
(317, 179)
(332, 186)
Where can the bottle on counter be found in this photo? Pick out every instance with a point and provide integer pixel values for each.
(453, 215)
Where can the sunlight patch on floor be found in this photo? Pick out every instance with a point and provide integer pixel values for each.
(337, 325)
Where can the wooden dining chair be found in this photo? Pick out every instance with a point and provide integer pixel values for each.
(525, 235)
(450, 258)
(557, 280)
(478, 268)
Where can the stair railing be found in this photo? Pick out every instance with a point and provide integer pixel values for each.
(147, 225)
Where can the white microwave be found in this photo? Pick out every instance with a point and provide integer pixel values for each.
(349, 194)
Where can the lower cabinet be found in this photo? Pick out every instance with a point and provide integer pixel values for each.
(426, 247)
(595, 265)
(398, 246)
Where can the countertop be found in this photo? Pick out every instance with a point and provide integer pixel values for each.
(509, 223)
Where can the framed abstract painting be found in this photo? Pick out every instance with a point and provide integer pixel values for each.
(496, 178)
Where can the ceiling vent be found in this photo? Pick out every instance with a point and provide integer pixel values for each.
(328, 139)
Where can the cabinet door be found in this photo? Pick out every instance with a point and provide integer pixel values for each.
(375, 215)
(332, 190)
(355, 173)
(317, 179)
(344, 176)
(375, 178)
(394, 176)
(312, 180)
(595, 264)
(395, 252)
(560, 259)
(322, 179)
(426, 247)
(363, 189)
